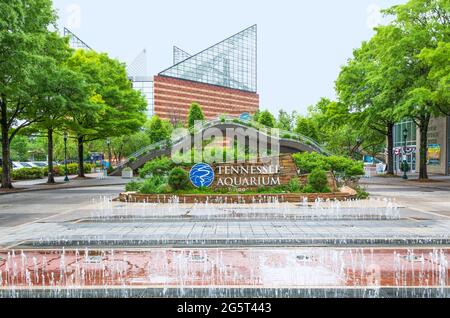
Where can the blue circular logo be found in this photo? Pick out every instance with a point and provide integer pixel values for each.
(202, 175)
(245, 117)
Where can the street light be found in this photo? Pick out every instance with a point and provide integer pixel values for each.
(66, 179)
(108, 142)
(405, 163)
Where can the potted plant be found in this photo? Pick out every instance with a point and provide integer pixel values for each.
(127, 173)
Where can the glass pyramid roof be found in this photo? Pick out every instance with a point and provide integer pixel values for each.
(231, 63)
(179, 55)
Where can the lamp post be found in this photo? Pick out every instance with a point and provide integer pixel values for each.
(108, 142)
(405, 162)
(66, 179)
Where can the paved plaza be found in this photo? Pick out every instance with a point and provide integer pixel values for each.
(80, 242)
(85, 216)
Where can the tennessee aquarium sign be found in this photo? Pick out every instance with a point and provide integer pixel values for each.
(230, 176)
(202, 175)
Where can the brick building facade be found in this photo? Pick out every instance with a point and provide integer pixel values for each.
(173, 97)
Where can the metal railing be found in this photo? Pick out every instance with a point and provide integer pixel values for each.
(284, 135)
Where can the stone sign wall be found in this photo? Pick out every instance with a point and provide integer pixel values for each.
(251, 176)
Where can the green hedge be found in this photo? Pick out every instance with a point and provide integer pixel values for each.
(343, 167)
(72, 169)
(39, 173)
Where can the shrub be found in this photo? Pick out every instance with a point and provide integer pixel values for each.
(362, 194)
(27, 174)
(307, 162)
(179, 179)
(294, 186)
(159, 166)
(72, 168)
(318, 181)
(132, 159)
(340, 166)
(133, 186)
(152, 185)
(345, 167)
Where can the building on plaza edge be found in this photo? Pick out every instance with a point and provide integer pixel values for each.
(221, 78)
(438, 158)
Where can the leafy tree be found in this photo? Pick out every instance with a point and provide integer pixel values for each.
(24, 63)
(19, 148)
(419, 26)
(158, 129)
(256, 115)
(286, 121)
(335, 127)
(113, 108)
(360, 86)
(438, 62)
(267, 119)
(307, 127)
(61, 89)
(195, 114)
(124, 146)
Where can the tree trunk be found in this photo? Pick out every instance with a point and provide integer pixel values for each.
(423, 170)
(6, 173)
(390, 158)
(81, 157)
(51, 176)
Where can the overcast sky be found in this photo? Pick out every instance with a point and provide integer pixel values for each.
(301, 44)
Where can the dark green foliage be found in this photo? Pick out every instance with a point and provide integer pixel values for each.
(307, 162)
(160, 166)
(307, 127)
(27, 174)
(267, 119)
(318, 181)
(195, 114)
(179, 179)
(158, 129)
(362, 194)
(133, 186)
(152, 185)
(341, 167)
(294, 186)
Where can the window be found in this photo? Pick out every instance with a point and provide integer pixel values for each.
(398, 134)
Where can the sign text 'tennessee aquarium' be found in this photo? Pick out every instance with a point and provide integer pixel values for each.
(248, 176)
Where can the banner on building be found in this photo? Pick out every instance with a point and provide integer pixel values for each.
(434, 155)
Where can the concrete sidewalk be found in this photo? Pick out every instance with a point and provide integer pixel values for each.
(431, 197)
(92, 180)
(435, 181)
